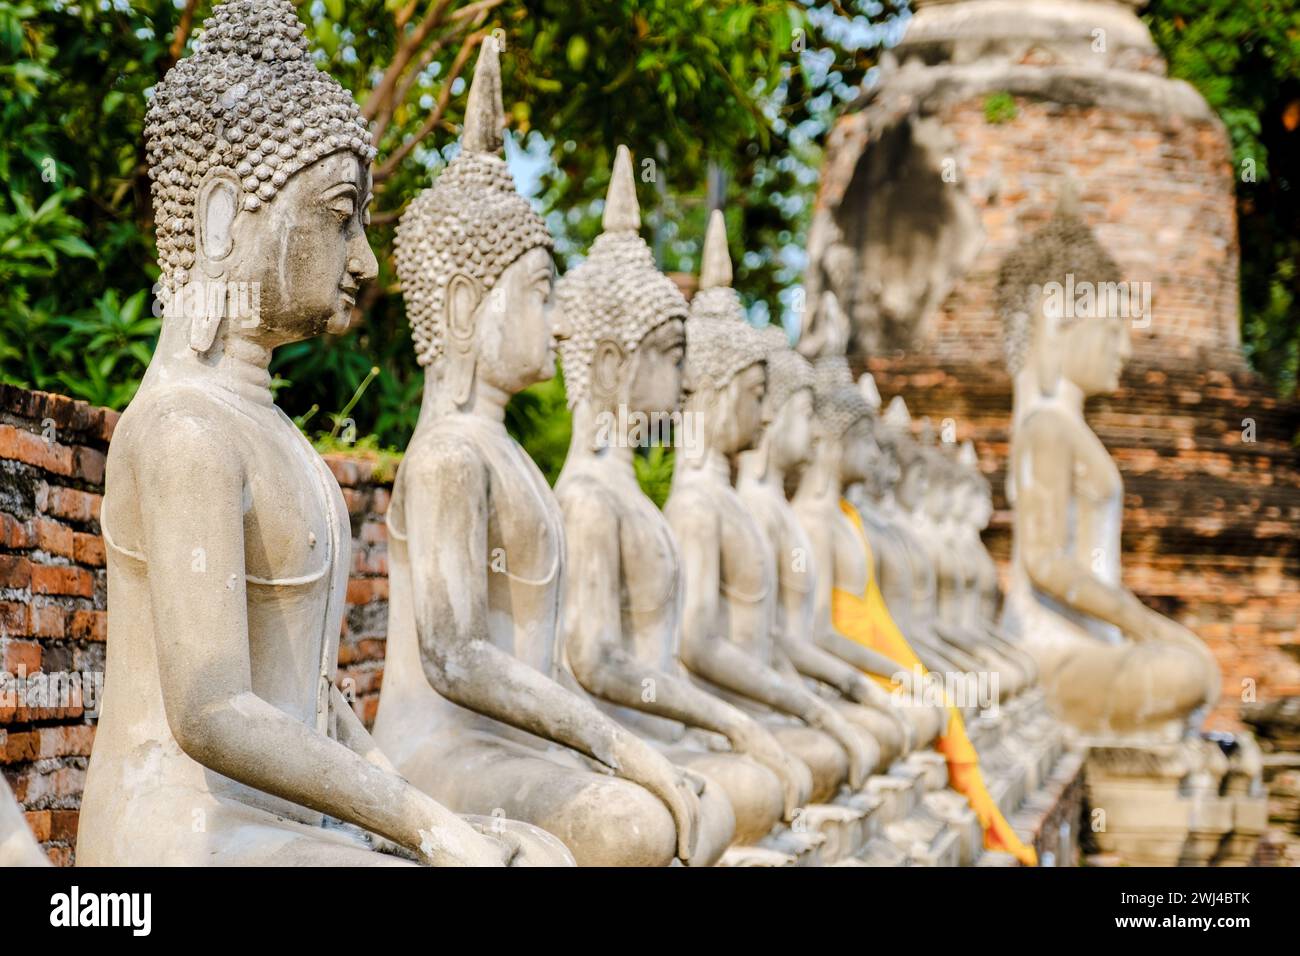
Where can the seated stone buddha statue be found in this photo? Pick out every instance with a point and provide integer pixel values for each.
(472, 709)
(1108, 663)
(622, 603)
(969, 575)
(908, 578)
(222, 739)
(800, 550)
(935, 521)
(730, 582)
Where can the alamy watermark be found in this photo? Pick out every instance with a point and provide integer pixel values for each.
(212, 298)
(960, 689)
(634, 429)
(1091, 300)
(57, 690)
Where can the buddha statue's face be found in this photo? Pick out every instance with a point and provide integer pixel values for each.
(747, 391)
(958, 500)
(912, 483)
(886, 472)
(980, 502)
(514, 339)
(791, 431)
(656, 369)
(860, 452)
(938, 497)
(306, 249)
(1094, 352)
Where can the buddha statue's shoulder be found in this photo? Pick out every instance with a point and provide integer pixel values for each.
(587, 501)
(692, 503)
(1049, 423)
(443, 452)
(181, 425)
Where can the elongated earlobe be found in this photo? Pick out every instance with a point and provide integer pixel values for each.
(216, 207)
(463, 297)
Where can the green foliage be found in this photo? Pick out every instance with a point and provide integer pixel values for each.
(539, 419)
(999, 108)
(739, 88)
(654, 472)
(1245, 60)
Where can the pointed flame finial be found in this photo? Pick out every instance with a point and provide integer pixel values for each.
(622, 213)
(715, 271)
(484, 113)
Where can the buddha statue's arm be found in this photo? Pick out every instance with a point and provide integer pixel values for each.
(715, 658)
(204, 666)
(593, 637)
(603, 665)
(352, 733)
(1044, 484)
(824, 634)
(449, 566)
(812, 661)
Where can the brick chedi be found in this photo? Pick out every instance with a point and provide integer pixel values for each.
(979, 119)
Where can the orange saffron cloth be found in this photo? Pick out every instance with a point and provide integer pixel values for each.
(865, 618)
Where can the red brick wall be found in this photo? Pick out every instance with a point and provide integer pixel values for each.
(52, 599)
(53, 590)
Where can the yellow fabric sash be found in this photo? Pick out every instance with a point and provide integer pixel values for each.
(866, 619)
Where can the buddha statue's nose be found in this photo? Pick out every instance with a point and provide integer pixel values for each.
(361, 259)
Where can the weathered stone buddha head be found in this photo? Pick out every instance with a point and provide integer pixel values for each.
(726, 358)
(1058, 318)
(913, 474)
(845, 420)
(260, 167)
(789, 403)
(940, 488)
(978, 500)
(475, 261)
(625, 319)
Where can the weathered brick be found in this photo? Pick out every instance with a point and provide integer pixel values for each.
(15, 534)
(89, 465)
(19, 746)
(40, 823)
(54, 537)
(63, 825)
(22, 657)
(74, 740)
(88, 626)
(63, 856)
(15, 572)
(88, 549)
(73, 505)
(361, 590)
(20, 445)
(60, 579)
(13, 618)
(107, 422)
(48, 621)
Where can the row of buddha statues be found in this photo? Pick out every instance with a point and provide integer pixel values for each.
(787, 663)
